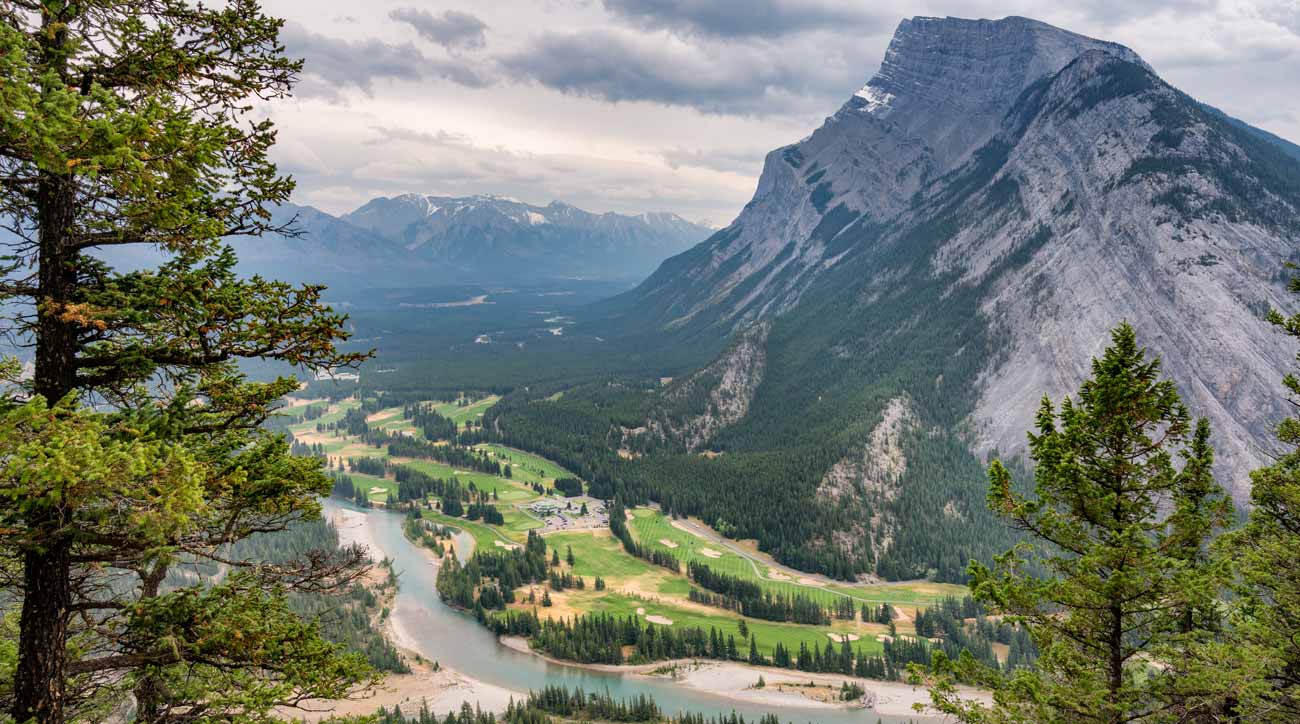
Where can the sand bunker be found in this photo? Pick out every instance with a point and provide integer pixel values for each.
(809, 581)
(661, 620)
(709, 552)
(837, 637)
(685, 528)
(667, 543)
(503, 544)
(377, 490)
(640, 611)
(776, 575)
(885, 638)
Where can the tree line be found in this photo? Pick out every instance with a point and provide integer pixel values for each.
(750, 599)
(554, 704)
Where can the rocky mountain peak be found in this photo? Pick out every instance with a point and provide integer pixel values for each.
(949, 81)
(943, 91)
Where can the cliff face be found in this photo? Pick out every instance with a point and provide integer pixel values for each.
(941, 93)
(1019, 190)
(1159, 214)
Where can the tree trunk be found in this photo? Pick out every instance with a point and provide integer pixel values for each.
(47, 594)
(149, 689)
(1116, 663)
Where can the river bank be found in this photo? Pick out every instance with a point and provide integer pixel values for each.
(781, 687)
(443, 689)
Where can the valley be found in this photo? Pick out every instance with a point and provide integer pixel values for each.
(975, 403)
(769, 457)
(591, 572)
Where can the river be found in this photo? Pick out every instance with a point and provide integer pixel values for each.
(456, 640)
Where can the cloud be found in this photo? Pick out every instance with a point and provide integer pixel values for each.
(751, 78)
(641, 105)
(440, 137)
(758, 18)
(333, 64)
(453, 30)
(398, 159)
(746, 162)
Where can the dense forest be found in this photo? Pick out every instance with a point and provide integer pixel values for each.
(555, 704)
(762, 494)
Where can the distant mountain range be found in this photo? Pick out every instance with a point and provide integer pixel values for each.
(417, 239)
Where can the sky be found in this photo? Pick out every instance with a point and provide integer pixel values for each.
(668, 105)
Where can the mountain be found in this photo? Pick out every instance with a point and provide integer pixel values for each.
(910, 279)
(491, 235)
(322, 250)
(415, 240)
(1286, 146)
(326, 250)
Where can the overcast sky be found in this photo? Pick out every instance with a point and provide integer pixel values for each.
(646, 105)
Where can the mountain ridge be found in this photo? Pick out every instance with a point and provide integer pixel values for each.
(957, 275)
(469, 232)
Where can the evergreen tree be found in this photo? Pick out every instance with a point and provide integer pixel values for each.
(1110, 612)
(129, 125)
(1267, 611)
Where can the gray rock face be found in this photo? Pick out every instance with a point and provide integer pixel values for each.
(715, 396)
(1192, 283)
(1062, 180)
(942, 92)
(949, 82)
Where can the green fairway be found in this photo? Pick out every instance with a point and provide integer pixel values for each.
(390, 419)
(766, 633)
(506, 490)
(296, 413)
(339, 410)
(526, 466)
(484, 535)
(460, 414)
(600, 555)
(518, 523)
(652, 527)
(368, 482)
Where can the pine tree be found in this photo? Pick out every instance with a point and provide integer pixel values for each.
(1267, 610)
(128, 125)
(1119, 577)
